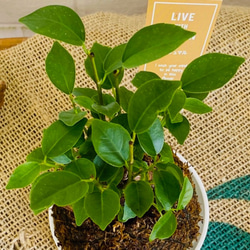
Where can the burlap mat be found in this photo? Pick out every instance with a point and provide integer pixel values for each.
(218, 145)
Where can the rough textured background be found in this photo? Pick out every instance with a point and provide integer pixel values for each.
(218, 145)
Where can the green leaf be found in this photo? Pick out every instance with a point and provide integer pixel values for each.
(166, 154)
(24, 175)
(200, 96)
(58, 22)
(87, 150)
(84, 92)
(164, 227)
(152, 140)
(153, 42)
(109, 110)
(111, 142)
(80, 212)
(59, 138)
(83, 168)
(70, 117)
(172, 169)
(107, 173)
(122, 119)
(61, 159)
(186, 194)
(61, 188)
(167, 188)
(84, 101)
(196, 106)
(113, 59)
(179, 130)
(209, 72)
(139, 197)
(150, 99)
(125, 96)
(177, 104)
(36, 155)
(60, 68)
(98, 52)
(126, 213)
(102, 207)
(142, 77)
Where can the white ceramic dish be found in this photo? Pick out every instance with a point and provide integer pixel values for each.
(202, 198)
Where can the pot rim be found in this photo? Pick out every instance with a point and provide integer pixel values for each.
(202, 198)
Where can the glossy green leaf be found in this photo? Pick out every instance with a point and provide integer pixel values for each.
(61, 188)
(84, 92)
(113, 60)
(153, 42)
(173, 169)
(150, 99)
(142, 77)
(109, 110)
(178, 118)
(166, 154)
(59, 138)
(209, 72)
(196, 106)
(111, 142)
(179, 130)
(83, 168)
(177, 104)
(200, 96)
(122, 119)
(98, 52)
(60, 68)
(36, 155)
(164, 227)
(139, 197)
(107, 173)
(126, 213)
(152, 140)
(186, 194)
(24, 175)
(70, 117)
(84, 101)
(61, 159)
(58, 22)
(87, 150)
(102, 207)
(125, 96)
(167, 188)
(80, 212)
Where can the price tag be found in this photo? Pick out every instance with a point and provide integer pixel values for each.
(194, 15)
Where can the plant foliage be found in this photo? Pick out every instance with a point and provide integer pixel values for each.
(91, 162)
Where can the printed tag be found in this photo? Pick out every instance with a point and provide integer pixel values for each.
(194, 15)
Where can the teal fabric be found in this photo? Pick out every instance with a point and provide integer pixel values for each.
(223, 235)
(235, 189)
(226, 236)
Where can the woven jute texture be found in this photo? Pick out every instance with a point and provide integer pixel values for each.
(218, 145)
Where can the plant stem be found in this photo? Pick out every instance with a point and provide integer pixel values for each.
(73, 103)
(97, 80)
(117, 94)
(131, 153)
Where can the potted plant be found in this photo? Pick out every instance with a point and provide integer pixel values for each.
(106, 158)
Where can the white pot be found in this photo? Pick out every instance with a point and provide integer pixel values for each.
(202, 198)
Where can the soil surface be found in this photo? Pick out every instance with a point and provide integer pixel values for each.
(131, 235)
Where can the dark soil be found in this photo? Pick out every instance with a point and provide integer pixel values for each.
(133, 234)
